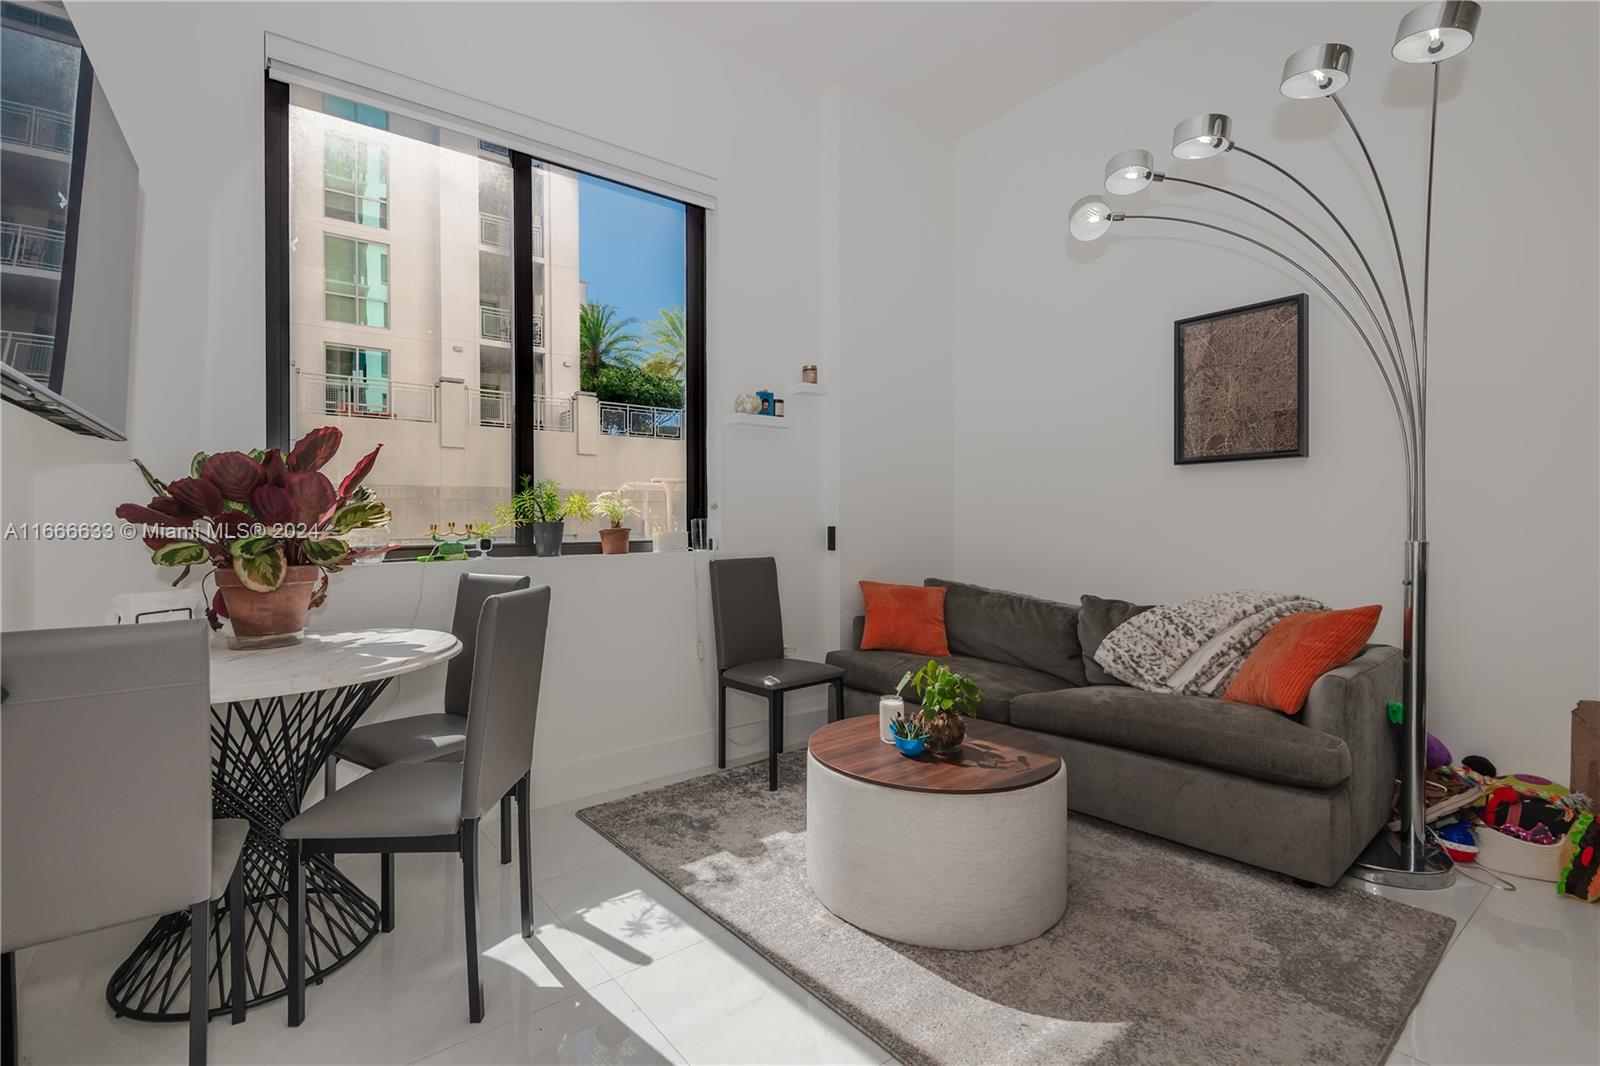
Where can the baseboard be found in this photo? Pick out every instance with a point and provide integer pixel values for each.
(678, 755)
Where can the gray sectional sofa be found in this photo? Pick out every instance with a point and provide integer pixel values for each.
(1301, 794)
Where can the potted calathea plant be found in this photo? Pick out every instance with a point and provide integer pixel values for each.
(615, 507)
(538, 514)
(947, 698)
(271, 526)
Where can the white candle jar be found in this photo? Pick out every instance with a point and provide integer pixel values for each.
(888, 708)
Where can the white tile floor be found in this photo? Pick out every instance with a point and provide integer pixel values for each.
(623, 970)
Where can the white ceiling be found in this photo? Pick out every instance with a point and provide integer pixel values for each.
(951, 65)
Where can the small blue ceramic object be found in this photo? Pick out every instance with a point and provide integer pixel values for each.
(910, 748)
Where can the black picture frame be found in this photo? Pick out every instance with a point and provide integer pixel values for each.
(1301, 447)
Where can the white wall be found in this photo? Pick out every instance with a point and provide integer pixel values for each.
(186, 83)
(1063, 463)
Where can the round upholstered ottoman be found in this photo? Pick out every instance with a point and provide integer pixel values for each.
(967, 851)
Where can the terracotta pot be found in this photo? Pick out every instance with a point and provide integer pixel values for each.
(273, 619)
(614, 541)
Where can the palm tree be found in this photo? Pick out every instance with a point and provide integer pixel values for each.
(667, 338)
(604, 339)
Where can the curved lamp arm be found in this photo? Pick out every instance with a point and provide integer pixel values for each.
(1372, 276)
(1396, 361)
(1406, 427)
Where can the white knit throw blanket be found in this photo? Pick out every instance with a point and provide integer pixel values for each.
(1197, 646)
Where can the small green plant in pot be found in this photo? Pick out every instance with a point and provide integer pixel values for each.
(537, 513)
(947, 699)
(616, 509)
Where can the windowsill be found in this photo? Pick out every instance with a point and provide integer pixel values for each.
(411, 554)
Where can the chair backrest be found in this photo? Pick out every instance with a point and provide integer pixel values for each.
(105, 777)
(471, 591)
(505, 696)
(745, 611)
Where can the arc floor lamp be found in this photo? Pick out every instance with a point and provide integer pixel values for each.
(1429, 34)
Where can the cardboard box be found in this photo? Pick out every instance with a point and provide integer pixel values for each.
(1586, 748)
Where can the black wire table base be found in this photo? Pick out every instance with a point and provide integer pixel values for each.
(264, 756)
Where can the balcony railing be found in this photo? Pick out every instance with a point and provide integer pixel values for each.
(629, 420)
(364, 397)
(494, 323)
(31, 246)
(494, 230)
(37, 127)
(493, 407)
(31, 353)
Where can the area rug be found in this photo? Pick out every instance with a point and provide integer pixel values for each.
(1165, 954)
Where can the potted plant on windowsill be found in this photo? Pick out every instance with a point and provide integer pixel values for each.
(947, 698)
(615, 507)
(538, 514)
(272, 527)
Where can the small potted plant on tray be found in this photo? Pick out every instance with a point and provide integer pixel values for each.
(947, 699)
(910, 734)
(616, 508)
(271, 526)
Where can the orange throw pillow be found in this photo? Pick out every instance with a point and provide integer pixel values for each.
(904, 618)
(1281, 670)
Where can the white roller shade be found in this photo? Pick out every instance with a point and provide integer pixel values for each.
(303, 64)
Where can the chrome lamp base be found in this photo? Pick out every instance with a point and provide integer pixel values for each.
(1382, 864)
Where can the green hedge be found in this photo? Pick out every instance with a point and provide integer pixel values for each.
(631, 384)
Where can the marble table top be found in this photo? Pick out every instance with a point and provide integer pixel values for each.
(324, 660)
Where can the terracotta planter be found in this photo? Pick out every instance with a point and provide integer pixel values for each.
(273, 619)
(614, 541)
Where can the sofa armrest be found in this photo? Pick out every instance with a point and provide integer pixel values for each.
(858, 626)
(1352, 701)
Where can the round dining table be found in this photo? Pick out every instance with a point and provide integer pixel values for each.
(276, 716)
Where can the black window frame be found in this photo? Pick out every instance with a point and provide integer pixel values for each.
(277, 333)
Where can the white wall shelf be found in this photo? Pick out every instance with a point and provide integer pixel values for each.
(758, 421)
(808, 389)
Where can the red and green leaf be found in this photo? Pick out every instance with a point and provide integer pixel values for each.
(150, 479)
(234, 474)
(314, 498)
(273, 505)
(259, 563)
(275, 469)
(198, 495)
(326, 551)
(312, 451)
(358, 473)
(180, 553)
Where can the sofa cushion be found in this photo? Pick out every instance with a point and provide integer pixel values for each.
(881, 671)
(1096, 619)
(1249, 741)
(1008, 627)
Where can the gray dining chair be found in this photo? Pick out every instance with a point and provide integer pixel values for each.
(425, 737)
(748, 620)
(435, 806)
(105, 798)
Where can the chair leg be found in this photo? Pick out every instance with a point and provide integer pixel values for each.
(469, 893)
(505, 829)
(297, 936)
(8, 1006)
(330, 776)
(722, 726)
(199, 981)
(386, 892)
(774, 737)
(237, 993)
(836, 710)
(524, 847)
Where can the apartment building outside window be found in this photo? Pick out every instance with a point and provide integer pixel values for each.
(357, 280)
(355, 176)
(492, 272)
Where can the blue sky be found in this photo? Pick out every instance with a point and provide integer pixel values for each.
(630, 249)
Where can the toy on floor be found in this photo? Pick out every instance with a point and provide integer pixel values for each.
(1458, 841)
(1580, 860)
(1479, 765)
